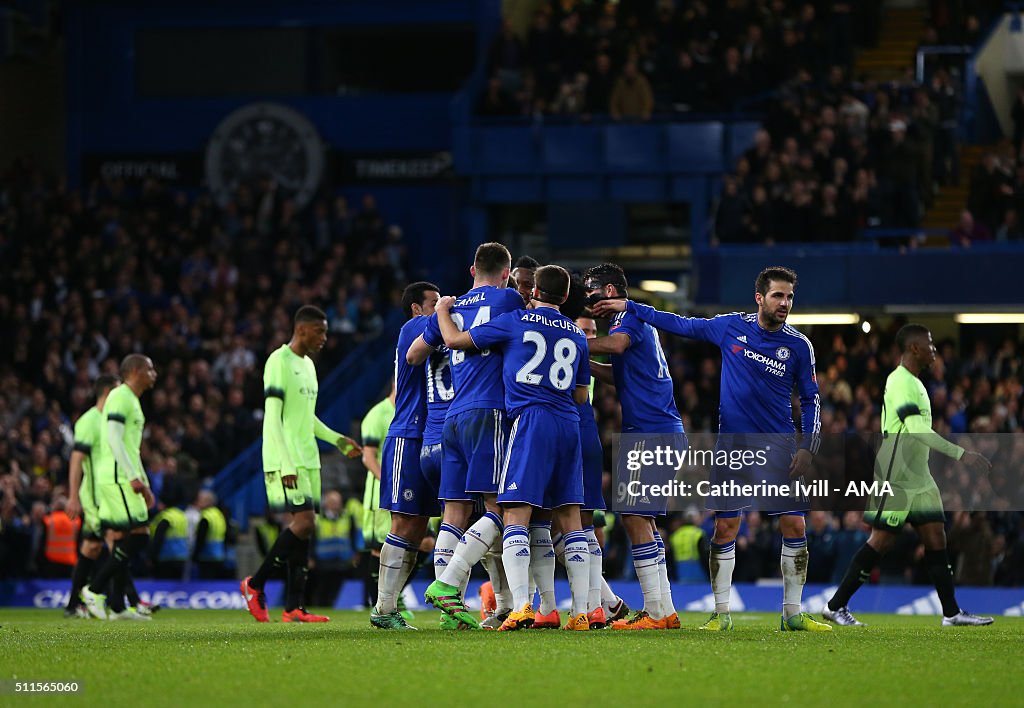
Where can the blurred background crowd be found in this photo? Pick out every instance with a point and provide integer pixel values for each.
(207, 291)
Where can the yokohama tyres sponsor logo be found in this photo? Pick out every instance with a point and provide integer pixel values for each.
(762, 359)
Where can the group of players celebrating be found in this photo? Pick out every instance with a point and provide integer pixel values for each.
(494, 431)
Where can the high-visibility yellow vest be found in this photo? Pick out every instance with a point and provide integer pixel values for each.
(216, 530)
(175, 546)
(334, 538)
(686, 543)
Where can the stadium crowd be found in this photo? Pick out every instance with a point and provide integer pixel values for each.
(120, 269)
(839, 152)
(975, 391)
(838, 157)
(958, 21)
(205, 291)
(996, 197)
(632, 60)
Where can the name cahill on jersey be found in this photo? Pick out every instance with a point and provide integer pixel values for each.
(471, 300)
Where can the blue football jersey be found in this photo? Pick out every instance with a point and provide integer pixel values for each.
(440, 392)
(759, 370)
(410, 385)
(642, 379)
(476, 374)
(544, 355)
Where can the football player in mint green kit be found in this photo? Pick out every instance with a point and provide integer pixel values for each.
(122, 488)
(82, 492)
(291, 462)
(903, 462)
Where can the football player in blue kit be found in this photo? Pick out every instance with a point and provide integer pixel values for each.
(405, 491)
(643, 383)
(475, 431)
(546, 374)
(763, 359)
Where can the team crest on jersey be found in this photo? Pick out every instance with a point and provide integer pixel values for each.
(407, 494)
(782, 353)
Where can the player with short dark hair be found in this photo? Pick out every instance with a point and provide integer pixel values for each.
(404, 490)
(475, 432)
(763, 358)
(902, 458)
(291, 462)
(777, 274)
(523, 276)
(82, 490)
(641, 376)
(546, 373)
(602, 603)
(440, 394)
(122, 488)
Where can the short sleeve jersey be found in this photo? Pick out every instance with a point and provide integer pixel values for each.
(87, 438)
(410, 385)
(374, 430)
(122, 406)
(476, 373)
(440, 392)
(376, 423)
(544, 359)
(292, 379)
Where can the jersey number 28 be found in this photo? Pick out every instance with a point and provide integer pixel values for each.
(560, 374)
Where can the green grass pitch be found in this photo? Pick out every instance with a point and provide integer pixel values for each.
(207, 657)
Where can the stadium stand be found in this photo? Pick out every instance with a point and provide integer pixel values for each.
(115, 271)
(208, 291)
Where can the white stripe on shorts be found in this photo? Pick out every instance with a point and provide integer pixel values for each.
(504, 467)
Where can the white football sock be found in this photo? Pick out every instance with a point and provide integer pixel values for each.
(608, 596)
(558, 544)
(577, 567)
(474, 544)
(515, 555)
(389, 581)
(794, 574)
(645, 562)
(721, 564)
(667, 606)
(444, 547)
(542, 565)
(596, 566)
(496, 572)
(408, 566)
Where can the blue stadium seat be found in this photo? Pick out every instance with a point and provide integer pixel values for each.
(696, 147)
(634, 148)
(507, 149)
(572, 149)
